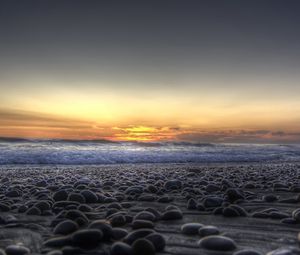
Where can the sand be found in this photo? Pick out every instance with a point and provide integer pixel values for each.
(95, 209)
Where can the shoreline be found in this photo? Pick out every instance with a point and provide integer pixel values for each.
(252, 206)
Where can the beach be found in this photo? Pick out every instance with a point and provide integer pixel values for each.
(183, 208)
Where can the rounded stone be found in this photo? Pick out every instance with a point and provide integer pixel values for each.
(119, 233)
(230, 212)
(75, 215)
(105, 228)
(191, 228)
(118, 220)
(43, 205)
(65, 227)
(285, 251)
(120, 248)
(212, 202)
(33, 211)
(143, 246)
(4, 207)
(217, 243)
(247, 252)
(90, 196)
(208, 231)
(76, 197)
(136, 224)
(192, 204)
(136, 234)
(87, 238)
(145, 216)
(172, 215)
(173, 184)
(60, 195)
(16, 250)
(58, 241)
(157, 240)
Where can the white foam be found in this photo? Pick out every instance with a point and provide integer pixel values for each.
(79, 153)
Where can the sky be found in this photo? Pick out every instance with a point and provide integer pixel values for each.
(192, 70)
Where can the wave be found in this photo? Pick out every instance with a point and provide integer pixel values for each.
(87, 152)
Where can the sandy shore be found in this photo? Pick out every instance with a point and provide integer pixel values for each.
(150, 209)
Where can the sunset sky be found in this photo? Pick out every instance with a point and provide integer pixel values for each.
(189, 70)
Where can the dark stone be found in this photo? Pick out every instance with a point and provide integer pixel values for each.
(65, 227)
(137, 224)
(60, 195)
(104, 226)
(208, 231)
(157, 240)
(191, 228)
(90, 196)
(143, 246)
(209, 202)
(172, 215)
(57, 242)
(33, 211)
(119, 233)
(145, 216)
(217, 243)
(120, 248)
(76, 197)
(87, 238)
(136, 234)
(16, 250)
(247, 252)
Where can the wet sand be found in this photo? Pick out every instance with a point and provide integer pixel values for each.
(150, 209)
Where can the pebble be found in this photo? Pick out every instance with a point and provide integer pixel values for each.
(270, 198)
(208, 231)
(76, 197)
(296, 214)
(87, 238)
(16, 250)
(55, 252)
(157, 240)
(75, 215)
(118, 220)
(119, 233)
(120, 248)
(212, 202)
(145, 216)
(234, 195)
(285, 251)
(173, 184)
(230, 212)
(136, 224)
(105, 228)
(191, 228)
(247, 252)
(65, 227)
(89, 196)
(4, 207)
(218, 243)
(192, 204)
(60, 195)
(58, 241)
(143, 246)
(33, 211)
(136, 234)
(172, 215)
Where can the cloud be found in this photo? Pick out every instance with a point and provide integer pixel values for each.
(27, 124)
(18, 123)
(241, 136)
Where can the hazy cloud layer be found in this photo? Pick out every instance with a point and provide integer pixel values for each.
(17, 123)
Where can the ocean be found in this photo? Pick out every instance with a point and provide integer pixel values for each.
(63, 152)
